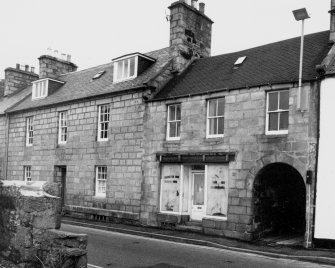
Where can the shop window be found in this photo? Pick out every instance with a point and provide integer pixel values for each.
(170, 188)
(217, 191)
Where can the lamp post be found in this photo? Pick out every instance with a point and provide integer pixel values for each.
(300, 14)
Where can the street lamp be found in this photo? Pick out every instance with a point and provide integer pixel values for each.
(300, 14)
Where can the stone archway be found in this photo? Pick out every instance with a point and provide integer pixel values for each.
(279, 200)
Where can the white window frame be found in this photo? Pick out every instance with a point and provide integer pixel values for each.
(101, 123)
(275, 132)
(126, 75)
(27, 173)
(100, 176)
(173, 121)
(62, 127)
(214, 117)
(29, 131)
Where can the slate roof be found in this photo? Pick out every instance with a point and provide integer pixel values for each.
(80, 85)
(9, 101)
(272, 63)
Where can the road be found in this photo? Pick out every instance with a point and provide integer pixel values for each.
(109, 249)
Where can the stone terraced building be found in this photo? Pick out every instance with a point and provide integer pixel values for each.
(176, 138)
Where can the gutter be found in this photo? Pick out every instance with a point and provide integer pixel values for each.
(107, 94)
(228, 90)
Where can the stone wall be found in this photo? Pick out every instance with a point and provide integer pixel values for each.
(121, 154)
(245, 135)
(29, 217)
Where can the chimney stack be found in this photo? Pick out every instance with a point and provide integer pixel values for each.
(202, 8)
(53, 67)
(17, 79)
(194, 3)
(190, 33)
(332, 22)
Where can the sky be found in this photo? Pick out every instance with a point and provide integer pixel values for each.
(96, 31)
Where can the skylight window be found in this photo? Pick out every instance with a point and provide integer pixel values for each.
(240, 60)
(98, 75)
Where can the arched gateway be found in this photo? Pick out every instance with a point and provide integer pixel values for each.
(279, 200)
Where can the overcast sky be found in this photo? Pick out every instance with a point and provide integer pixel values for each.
(95, 31)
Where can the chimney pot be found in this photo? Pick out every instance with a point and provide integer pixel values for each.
(202, 7)
(194, 3)
(32, 69)
(26, 68)
(68, 58)
(17, 66)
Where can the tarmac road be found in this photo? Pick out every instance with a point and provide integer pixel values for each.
(109, 249)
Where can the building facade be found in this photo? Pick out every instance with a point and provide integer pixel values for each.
(175, 137)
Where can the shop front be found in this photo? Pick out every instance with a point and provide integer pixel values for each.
(194, 191)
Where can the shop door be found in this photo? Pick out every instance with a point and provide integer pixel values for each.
(198, 196)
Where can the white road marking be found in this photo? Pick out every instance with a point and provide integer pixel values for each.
(93, 266)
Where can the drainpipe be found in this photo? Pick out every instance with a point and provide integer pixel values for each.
(7, 147)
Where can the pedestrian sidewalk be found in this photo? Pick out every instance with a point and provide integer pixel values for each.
(320, 256)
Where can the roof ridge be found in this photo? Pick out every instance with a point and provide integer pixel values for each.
(88, 69)
(260, 46)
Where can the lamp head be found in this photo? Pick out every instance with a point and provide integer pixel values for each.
(300, 14)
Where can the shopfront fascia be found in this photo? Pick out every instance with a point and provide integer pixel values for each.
(195, 184)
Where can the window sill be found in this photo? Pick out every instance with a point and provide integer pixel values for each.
(215, 137)
(98, 197)
(215, 218)
(274, 135)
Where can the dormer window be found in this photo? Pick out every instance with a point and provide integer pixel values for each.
(130, 66)
(40, 89)
(44, 87)
(125, 69)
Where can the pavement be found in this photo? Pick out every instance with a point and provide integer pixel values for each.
(320, 256)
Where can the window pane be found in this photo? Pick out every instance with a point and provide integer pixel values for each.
(173, 130)
(212, 108)
(170, 190)
(178, 129)
(132, 66)
(126, 68)
(273, 101)
(199, 189)
(119, 70)
(273, 121)
(217, 191)
(212, 126)
(178, 112)
(220, 125)
(283, 125)
(172, 112)
(220, 107)
(284, 100)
